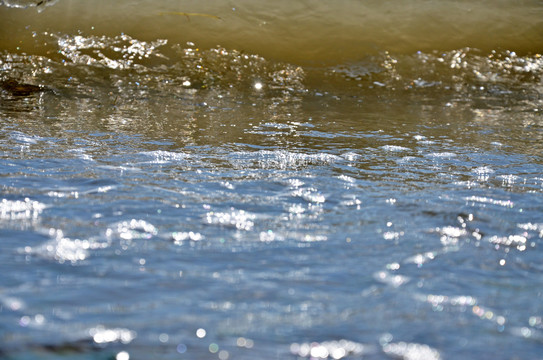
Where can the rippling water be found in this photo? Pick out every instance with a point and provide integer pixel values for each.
(218, 184)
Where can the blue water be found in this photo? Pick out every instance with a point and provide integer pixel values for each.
(428, 243)
(174, 209)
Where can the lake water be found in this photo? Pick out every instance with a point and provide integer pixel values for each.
(271, 180)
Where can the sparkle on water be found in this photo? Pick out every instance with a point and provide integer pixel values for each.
(163, 199)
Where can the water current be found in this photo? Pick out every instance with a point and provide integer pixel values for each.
(232, 180)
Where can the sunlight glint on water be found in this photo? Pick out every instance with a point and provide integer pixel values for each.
(195, 190)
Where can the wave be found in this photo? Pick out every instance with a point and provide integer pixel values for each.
(302, 32)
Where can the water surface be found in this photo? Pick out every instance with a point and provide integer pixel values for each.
(172, 189)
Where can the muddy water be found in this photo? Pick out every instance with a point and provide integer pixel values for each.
(280, 182)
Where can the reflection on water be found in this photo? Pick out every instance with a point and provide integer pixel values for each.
(167, 199)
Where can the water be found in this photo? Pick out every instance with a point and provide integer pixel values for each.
(181, 187)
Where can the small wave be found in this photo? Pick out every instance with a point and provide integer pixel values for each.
(25, 139)
(394, 148)
(442, 155)
(310, 195)
(23, 4)
(485, 200)
(102, 335)
(91, 50)
(335, 349)
(63, 249)
(180, 237)
(20, 209)
(388, 278)
(133, 229)
(411, 351)
(455, 301)
(512, 241)
(164, 157)
(281, 159)
(238, 219)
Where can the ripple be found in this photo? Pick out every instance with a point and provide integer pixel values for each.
(12, 303)
(486, 200)
(134, 229)
(180, 237)
(310, 195)
(281, 159)
(63, 249)
(532, 227)
(450, 235)
(528, 333)
(164, 157)
(514, 241)
(103, 335)
(455, 301)
(270, 235)
(238, 219)
(411, 351)
(20, 210)
(329, 349)
(420, 259)
(442, 155)
(394, 148)
(387, 278)
(25, 139)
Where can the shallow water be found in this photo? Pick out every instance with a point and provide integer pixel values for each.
(179, 197)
